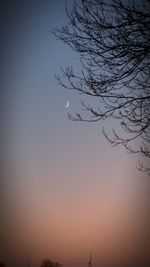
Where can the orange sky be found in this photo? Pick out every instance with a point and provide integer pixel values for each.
(67, 226)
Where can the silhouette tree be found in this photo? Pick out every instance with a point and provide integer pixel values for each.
(47, 263)
(112, 38)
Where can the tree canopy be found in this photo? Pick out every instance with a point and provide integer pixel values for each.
(112, 38)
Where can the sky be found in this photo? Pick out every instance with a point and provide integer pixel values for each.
(65, 193)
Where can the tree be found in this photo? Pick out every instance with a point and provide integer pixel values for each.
(112, 38)
(47, 263)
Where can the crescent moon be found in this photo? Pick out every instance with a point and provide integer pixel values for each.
(67, 105)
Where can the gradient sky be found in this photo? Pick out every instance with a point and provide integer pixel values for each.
(65, 192)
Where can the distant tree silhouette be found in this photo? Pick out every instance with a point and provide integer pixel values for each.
(47, 263)
(112, 38)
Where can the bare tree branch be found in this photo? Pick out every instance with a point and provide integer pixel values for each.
(112, 38)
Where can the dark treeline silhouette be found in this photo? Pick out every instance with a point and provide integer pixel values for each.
(46, 262)
(49, 263)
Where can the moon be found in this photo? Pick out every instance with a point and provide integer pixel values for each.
(67, 105)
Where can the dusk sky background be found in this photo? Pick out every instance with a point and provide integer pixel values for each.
(65, 192)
